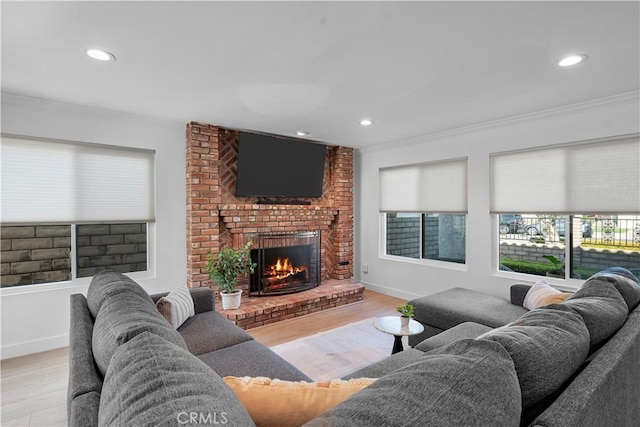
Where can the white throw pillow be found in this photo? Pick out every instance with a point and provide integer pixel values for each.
(177, 307)
(538, 292)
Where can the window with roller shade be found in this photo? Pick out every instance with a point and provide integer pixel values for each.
(71, 209)
(578, 204)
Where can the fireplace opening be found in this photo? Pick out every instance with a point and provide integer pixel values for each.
(285, 263)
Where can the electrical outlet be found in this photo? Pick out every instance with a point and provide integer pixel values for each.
(365, 268)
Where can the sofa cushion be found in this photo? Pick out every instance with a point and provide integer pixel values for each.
(624, 281)
(384, 366)
(177, 306)
(120, 319)
(547, 346)
(463, 330)
(601, 306)
(466, 383)
(449, 308)
(277, 403)
(253, 359)
(107, 283)
(153, 382)
(210, 331)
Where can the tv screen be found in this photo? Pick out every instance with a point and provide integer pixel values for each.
(269, 166)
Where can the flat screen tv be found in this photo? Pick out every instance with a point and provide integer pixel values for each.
(273, 167)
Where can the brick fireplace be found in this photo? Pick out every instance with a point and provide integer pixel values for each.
(217, 218)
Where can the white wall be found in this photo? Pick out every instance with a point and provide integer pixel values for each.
(36, 318)
(597, 119)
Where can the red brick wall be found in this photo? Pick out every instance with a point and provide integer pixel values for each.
(216, 217)
(203, 199)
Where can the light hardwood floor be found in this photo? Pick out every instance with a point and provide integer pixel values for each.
(34, 387)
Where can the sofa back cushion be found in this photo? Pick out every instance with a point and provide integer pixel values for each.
(602, 308)
(547, 346)
(107, 283)
(121, 318)
(466, 383)
(153, 382)
(624, 281)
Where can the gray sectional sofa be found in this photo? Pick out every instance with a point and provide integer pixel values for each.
(116, 311)
(570, 364)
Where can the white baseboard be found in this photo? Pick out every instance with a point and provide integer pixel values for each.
(35, 346)
(389, 291)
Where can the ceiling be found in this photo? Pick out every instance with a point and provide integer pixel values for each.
(414, 68)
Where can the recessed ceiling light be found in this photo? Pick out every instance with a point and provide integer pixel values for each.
(100, 55)
(570, 60)
(302, 133)
(366, 122)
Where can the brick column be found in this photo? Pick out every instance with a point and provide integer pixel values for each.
(341, 239)
(203, 199)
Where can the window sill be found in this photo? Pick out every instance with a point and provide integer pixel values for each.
(560, 284)
(426, 262)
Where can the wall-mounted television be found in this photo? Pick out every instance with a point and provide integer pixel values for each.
(272, 167)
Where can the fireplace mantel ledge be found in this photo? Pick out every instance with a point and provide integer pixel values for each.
(268, 207)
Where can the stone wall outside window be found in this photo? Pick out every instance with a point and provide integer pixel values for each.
(33, 254)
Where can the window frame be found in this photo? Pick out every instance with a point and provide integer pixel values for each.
(382, 249)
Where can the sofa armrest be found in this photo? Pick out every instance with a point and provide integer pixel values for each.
(518, 292)
(203, 299)
(84, 378)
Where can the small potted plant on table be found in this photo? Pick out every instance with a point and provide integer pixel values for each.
(225, 267)
(406, 310)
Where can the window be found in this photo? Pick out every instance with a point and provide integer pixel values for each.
(33, 254)
(586, 199)
(573, 246)
(71, 209)
(423, 208)
(439, 237)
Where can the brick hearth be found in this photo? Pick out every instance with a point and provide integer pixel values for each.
(259, 311)
(216, 218)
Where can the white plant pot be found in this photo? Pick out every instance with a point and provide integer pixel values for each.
(404, 321)
(231, 301)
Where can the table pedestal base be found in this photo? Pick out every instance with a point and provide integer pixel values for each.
(397, 344)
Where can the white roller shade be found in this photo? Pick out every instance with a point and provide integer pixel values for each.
(432, 187)
(597, 177)
(59, 182)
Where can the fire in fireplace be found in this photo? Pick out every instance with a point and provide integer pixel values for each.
(286, 263)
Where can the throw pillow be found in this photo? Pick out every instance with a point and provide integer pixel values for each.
(552, 299)
(151, 382)
(466, 383)
(177, 307)
(273, 402)
(601, 306)
(538, 294)
(547, 345)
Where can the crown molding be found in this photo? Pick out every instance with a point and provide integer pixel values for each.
(595, 104)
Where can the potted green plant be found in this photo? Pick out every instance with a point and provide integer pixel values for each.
(406, 310)
(225, 267)
(558, 266)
